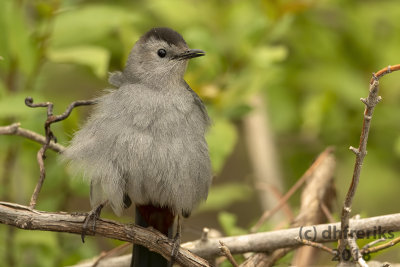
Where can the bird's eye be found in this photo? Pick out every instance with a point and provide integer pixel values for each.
(161, 52)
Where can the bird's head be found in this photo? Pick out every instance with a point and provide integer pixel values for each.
(160, 56)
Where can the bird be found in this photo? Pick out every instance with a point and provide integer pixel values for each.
(144, 142)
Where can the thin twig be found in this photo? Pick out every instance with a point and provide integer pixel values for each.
(292, 190)
(318, 190)
(271, 189)
(379, 74)
(370, 244)
(380, 247)
(227, 253)
(15, 129)
(49, 137)
(327, 212)
(111, 252)
(317, 245)
(370, 102)
(204, 234)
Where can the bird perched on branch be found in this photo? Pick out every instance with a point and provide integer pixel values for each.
(144, 142)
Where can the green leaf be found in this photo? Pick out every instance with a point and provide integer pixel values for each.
(94, 57)
(221, 139)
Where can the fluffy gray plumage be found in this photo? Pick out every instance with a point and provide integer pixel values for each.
(146, 138)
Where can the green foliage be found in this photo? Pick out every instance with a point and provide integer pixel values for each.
(310, 60)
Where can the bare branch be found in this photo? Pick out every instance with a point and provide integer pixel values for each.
(15, 129)
(355, 251)
(316, 245)
(227, 253)
(327, 212)
(270, 241)
(49, 137)
(118, 261)
(368, 250)
(292, 190)
(26, 218)
(384, 71)
(360, 152)
(318, 191)
(370, 244)
(105, 255)
(29, 219)
(258, 259)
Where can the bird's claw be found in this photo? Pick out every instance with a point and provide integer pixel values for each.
(176, 244)
(93, 215)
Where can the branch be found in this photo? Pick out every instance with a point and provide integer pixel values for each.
(369, 250)
(49, 136)
(267, 214)
(225, 251)
(355, 252)
(26, 218)
(384, 71)
(317, 191)
(370, 102)
(15, 129)
(270, 241)
(317, 245)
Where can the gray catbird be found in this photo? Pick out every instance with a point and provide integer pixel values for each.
(144, 142)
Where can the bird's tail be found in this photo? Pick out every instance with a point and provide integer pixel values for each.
(161, 219)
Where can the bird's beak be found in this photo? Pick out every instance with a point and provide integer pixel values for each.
(191, 53)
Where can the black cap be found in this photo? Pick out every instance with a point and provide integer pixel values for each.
(166, 34)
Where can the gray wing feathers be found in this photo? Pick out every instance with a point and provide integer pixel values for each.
(199, 103)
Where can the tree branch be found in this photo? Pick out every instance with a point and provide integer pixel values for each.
(29, 219)
(225, 251)
(318, 190)
(389, 244)
(26, 218)
(49, 136)
(370, 102)
(384, 71)
(310, 171)
(15, 129)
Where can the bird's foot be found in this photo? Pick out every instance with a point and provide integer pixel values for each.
(176, 243)
(93, 215)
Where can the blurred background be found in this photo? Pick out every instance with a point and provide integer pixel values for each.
(281, 80)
